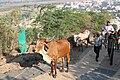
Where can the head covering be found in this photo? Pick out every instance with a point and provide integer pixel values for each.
(108, 21)
(97, 34)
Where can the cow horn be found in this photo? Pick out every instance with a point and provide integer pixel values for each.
(50, 39)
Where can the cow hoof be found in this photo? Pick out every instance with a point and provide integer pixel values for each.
(50, 74)
(62, 70)
(54, 76)
(67, 71)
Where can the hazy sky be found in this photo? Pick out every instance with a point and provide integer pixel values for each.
(38, 0)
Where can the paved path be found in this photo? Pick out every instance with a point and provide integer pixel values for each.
(89, 69)
(83, 67)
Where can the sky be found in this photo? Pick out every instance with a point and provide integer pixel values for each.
(38, 0)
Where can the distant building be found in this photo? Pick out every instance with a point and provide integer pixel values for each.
(87, 2)
(72, 5)
(59, 6)
(99, 2)
(117, 22)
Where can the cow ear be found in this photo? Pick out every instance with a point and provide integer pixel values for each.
(45, 47)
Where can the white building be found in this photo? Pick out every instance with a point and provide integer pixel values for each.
(117, 22)
(72, 5)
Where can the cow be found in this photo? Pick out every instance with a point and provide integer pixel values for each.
(82, 38)
(41, 40)
(84, 35)
(54, 50)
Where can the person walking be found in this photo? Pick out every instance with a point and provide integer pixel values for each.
(97, 44)
(111, 45)
(118, 39)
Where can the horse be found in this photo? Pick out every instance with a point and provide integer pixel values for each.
(116, 35)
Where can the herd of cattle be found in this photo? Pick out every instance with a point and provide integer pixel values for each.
(55, 49)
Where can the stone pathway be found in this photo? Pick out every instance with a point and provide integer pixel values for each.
(89, 69)
(83, 67)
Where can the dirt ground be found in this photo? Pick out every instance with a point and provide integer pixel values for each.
(61, 76)
(14, 62)
(7, 66)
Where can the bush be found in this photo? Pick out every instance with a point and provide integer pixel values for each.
(8, 31)
(8, 38)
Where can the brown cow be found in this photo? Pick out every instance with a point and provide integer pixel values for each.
(41, 40)
(54, 50)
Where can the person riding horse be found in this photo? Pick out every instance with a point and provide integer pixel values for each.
(106, 30)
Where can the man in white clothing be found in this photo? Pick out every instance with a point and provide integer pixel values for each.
(108, 28)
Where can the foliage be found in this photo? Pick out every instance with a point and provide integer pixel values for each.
(31, 34)
(61, 23)
(47, 7)
(98, 20)
(8, 31)
(51, 21)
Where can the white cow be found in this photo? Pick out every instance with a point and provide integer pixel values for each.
(82, 36)
(79, 38)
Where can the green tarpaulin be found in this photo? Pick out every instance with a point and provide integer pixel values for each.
(22, 41)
